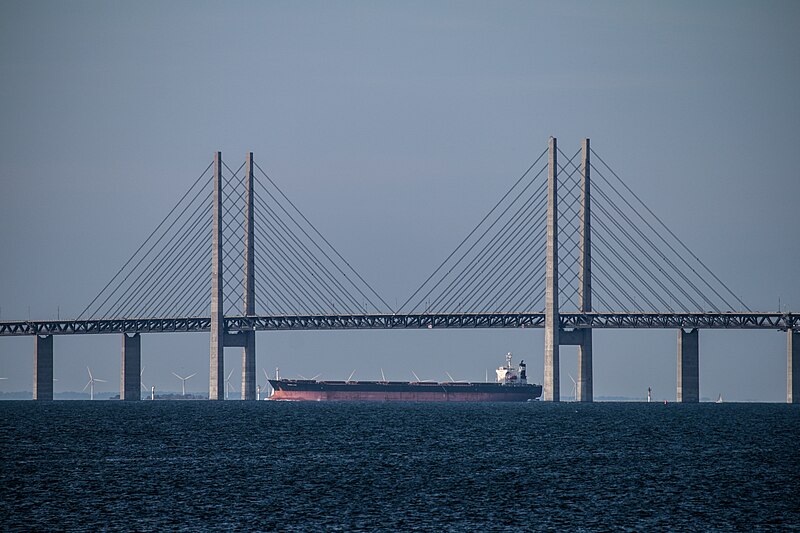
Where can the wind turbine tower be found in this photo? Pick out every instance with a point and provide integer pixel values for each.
(183, 382)
(90, 384)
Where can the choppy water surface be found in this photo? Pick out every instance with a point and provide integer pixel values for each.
(375, 466)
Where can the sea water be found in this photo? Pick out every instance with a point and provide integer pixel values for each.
(279, 466)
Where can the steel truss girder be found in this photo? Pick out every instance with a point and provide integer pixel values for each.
(88, 327)
(233, 324)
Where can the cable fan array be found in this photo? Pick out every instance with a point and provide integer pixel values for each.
(297, 270)
(169, 274)
(499, 266)
(638, 263)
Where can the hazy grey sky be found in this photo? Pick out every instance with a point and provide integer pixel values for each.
(395, 126)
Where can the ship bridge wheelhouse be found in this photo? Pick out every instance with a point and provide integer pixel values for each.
(508, 375)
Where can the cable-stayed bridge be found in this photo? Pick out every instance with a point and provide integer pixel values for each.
(569, 247)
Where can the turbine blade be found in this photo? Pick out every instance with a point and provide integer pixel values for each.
(90, 372)
(101, 380)
(193, 375)
(84, 388)
(176, 375)
(229, 375)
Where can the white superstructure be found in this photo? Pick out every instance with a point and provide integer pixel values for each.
(508, 375)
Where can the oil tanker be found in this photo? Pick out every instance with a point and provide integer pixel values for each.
(511, 386)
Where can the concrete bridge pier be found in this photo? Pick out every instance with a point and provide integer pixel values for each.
(43, 368)
(793, 366)
(688, 366)
(130, 382)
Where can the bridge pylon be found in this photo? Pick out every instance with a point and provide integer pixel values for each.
(216, 386)
(585, 385)
(249, 348)
(554, 335)
(552, 323)
(220, 338)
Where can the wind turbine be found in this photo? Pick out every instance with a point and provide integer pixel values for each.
(574, 388)
(91, 383)
(145, 387)
(229, 386)
(183, 381)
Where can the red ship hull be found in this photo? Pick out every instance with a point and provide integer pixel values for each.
(307, 390)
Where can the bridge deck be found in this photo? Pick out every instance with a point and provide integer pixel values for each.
(233, 324)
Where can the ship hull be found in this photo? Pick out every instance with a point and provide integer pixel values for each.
(307, 390)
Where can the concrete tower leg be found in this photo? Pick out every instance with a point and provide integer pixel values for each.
(585, 381)
(249, 350)
(249, 366)
(131, 368)
(585, 385)
(551, 321)
(793, 366)
(688, 366)
(43, 368)
(216, 386)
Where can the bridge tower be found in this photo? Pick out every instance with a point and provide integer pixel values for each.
(551, 320)
(585, 387)
(220, 339)
(216, 386)
(554, 336)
